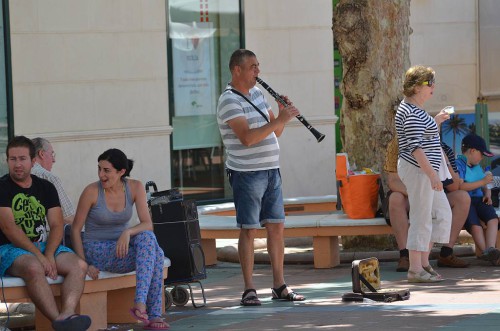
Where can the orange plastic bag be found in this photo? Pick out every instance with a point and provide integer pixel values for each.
(357, 194)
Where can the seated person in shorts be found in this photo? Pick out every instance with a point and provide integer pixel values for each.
(27, 205)
(475, 180)
(398, 209)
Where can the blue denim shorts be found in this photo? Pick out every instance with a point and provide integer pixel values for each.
(479, 211)
(9, 252)
(257, 197)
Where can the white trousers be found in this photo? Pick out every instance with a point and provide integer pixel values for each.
(430, 211)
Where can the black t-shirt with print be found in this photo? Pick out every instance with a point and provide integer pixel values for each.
(29, 206)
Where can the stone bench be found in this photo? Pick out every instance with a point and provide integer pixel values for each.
(106, 300)
(300, 205)
(216, 222)
(324, 226)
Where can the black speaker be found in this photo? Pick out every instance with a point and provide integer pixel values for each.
(178, 234)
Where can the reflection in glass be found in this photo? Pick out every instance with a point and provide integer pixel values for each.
(202, 34)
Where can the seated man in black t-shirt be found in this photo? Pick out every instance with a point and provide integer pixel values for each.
(27, 205)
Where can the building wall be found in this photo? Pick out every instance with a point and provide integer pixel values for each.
(293, 41)
(92, 75)
(445, 37)
(489, 53)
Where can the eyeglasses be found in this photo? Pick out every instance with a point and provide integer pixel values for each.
(52, 154)
(429, 82)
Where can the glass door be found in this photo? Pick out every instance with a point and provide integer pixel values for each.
(4, 122)
(202, 34)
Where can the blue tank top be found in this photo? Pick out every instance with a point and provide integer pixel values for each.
(103, 224)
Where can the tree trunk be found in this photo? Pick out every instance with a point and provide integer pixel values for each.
(372, 37)
(373, 41)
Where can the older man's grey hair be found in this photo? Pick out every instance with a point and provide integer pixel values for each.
(41, 144)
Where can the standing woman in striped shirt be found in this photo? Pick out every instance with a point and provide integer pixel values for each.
(422, 167)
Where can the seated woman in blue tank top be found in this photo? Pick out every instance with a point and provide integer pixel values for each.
(105, 207)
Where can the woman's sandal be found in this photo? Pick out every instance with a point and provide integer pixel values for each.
(290, 296)
(433, 272)
(249, 299)
(422, 277)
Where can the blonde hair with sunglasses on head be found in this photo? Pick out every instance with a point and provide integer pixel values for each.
(417, 76)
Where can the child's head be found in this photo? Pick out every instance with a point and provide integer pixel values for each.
(474, 147)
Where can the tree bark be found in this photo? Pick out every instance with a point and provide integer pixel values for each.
(372, 37)
(373, 41)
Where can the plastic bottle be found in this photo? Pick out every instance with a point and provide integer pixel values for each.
(489, 186)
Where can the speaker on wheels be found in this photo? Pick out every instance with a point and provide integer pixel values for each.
(177, 231)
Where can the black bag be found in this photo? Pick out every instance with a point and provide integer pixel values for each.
(162, 197)
(366, 284)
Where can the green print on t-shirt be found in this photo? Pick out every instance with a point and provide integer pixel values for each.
(29, 214)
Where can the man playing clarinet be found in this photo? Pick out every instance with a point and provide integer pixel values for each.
(249, 132)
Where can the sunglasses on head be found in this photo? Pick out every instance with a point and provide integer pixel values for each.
(429, 82)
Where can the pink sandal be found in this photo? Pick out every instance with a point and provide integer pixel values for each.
(160, 325)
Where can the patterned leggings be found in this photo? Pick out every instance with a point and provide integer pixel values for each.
(144, 256)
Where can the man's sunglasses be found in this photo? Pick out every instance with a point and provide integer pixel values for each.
(429, 82)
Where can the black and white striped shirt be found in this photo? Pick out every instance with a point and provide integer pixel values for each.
(417, 129)
(451, 156)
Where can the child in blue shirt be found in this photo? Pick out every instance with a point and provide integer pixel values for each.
(481, 209)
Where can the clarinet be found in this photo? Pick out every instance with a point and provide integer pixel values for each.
(319, 136)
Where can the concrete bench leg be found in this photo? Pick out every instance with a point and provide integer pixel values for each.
(96, 306)
(92, 304)
(119, 303)
(326, 252)
(42, 323)
(210, 251)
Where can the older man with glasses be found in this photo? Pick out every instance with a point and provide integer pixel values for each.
(45, 157)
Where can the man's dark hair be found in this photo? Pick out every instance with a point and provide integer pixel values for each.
(21, 141)
(238, 57)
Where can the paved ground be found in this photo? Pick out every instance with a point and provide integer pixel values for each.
(469, 299)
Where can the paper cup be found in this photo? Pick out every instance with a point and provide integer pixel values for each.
(449, 109)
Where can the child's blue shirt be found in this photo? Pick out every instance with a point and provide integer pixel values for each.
(470, 174)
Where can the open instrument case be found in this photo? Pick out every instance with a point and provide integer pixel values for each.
(366, 284)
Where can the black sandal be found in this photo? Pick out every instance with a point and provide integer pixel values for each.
(290, 296)
(248, 299)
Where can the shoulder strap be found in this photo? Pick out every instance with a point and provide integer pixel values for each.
(250, 102)
(367, 283)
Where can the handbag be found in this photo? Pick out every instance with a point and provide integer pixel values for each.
(168, 204)
(161, 197)
(357, 194)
